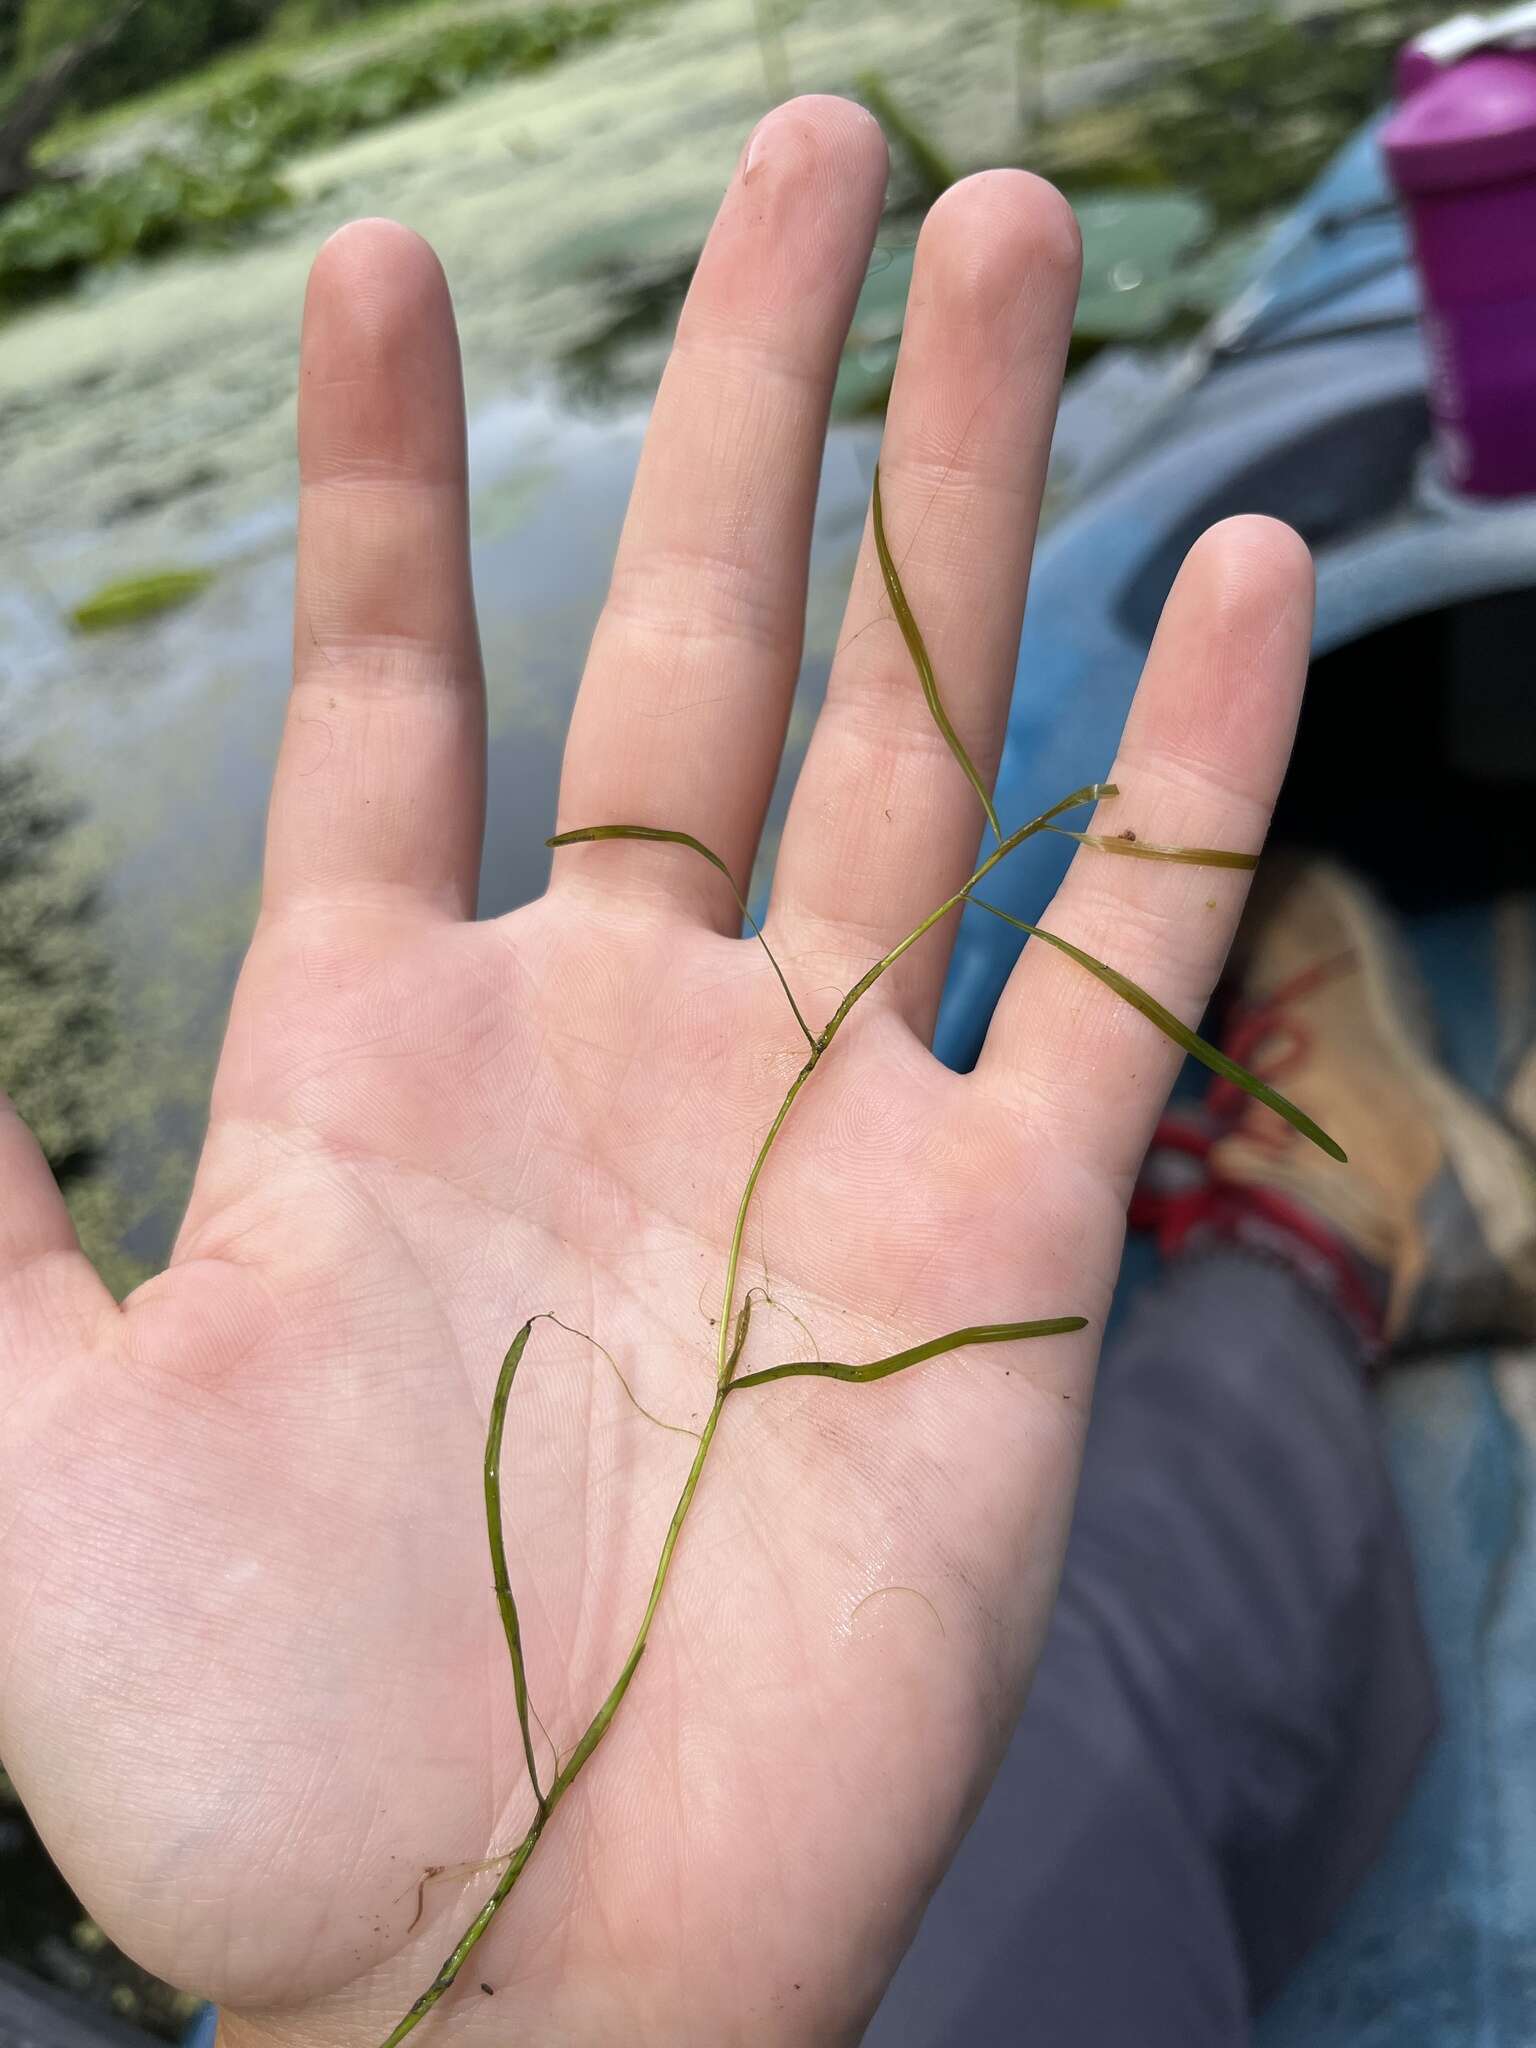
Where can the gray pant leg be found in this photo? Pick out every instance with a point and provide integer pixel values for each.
(1232, 1698)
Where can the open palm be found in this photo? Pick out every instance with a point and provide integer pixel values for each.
(254, 1680)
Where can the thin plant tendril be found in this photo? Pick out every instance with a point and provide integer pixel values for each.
(586, 834)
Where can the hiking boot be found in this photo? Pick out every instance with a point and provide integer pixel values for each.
(1514, 939)
(1427, 1237)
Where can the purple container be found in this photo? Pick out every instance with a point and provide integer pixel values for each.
(1461, 151)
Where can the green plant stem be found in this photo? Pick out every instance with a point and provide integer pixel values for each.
(597, 1728)
(732, 1339)
(502, 1577)
(839, 1017)
(772, 49)
(732, 1342)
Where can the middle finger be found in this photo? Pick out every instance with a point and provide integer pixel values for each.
(680, 721)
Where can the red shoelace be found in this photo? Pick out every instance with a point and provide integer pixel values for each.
(1181, 1200)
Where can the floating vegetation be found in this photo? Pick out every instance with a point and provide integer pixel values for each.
(133, 598)
(278, 116)
(1247, 118)
(82, 1071)
(1172, 198)
(734, 1322)
(58, 1025)
(64, 1056)
(224, 178)
(59, 230)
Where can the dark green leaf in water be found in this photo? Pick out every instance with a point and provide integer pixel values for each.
(1171, 1027)
(138, 597)
(588, 834)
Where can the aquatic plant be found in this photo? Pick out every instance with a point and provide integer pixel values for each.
(316, 17)
(734, 1321)
(224, 178)
(63, 1050)
(1304, 83)
(10, 35)
(278, 115)
(162, 38)
(138, 597)
(59, 230)
(769, 19)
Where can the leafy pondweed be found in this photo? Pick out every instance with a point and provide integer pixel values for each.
(734, 1322)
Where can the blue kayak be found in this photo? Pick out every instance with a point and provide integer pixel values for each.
(1306, 399)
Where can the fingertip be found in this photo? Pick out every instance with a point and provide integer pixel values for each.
(1251, 567)
(1223, 681)
(998, 238)
(375, 287)
(811, 177)
(816, 127)
(1019, 220)
(380, 381)
(373, 259)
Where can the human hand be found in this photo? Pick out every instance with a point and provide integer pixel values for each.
(255, 1681)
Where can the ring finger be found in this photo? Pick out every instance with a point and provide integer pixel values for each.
(884, 822)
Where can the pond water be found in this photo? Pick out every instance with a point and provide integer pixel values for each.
(147, 424)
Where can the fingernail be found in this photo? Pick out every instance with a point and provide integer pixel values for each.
(755, 144)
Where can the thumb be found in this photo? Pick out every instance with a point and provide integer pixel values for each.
(49, 1291)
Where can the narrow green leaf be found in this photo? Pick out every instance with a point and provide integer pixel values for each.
(587, 834)
(882, 1368)
(1142, 849)
(1171, 1027)
(917, 648)
(504, 1599)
